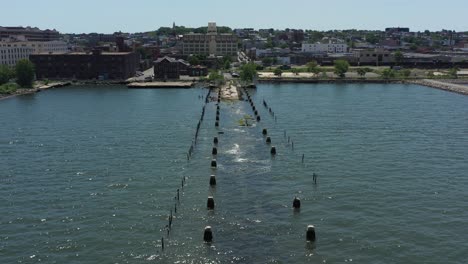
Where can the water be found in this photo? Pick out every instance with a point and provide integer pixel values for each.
(89, 175)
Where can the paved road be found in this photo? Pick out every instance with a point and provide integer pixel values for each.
(147, 73)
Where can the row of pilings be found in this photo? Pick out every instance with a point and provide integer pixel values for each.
(296, 204)
(208, 236)
(179, 191)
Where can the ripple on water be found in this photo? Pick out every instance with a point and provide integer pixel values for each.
(390, 159)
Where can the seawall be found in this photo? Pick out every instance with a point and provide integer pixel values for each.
(446, 86)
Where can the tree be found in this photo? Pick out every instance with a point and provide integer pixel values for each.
(5, 74)
(406, 73)
(194, 60)
(269, 44)
(267, 61)
(311, 66)
(295, 71)
(362, 72)
(453, 73)
(248, 72)
(388, 73)
(227, 65)
(398, 57)
(144, 53)
(227, 62)
(341, 67)
(216, 77)
(278, 72)
(372, 38)
(24, 73)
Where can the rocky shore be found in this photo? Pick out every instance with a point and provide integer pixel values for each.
(445, 85)
(229, 91)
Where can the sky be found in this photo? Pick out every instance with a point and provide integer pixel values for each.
(108, 16)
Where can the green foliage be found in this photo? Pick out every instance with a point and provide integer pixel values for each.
(398, 57)
(453, 73)
(24, 73)
(5, 74)
(227, 65)
(315, 36)
(226, 62)
(405, 73)
(341, 67)
(430, 75)
(144, 53)
(295, 71)
(362, 71)
(312, 66)
(372, 38)
(215, 76)
(194, 60)
(248, 72)
(278, 72)
(267, 61)
(388, 74)
(8, 88)
(269, 44)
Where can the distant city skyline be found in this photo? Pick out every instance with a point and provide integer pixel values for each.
(107, 16)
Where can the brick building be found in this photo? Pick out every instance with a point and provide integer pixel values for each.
(85, 65)
(171, 68)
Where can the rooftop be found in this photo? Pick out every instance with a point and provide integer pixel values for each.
(82, 53)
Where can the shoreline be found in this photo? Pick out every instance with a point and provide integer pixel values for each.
(38, 89)
(459, 86)
(318, 80)
(449, 85)
(445, 86)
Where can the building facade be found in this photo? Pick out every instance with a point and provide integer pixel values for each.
(375, 57)
(86, 65)
(170, 68)
(324, 48)
(13, 51)
(211, 43)
(29, 33)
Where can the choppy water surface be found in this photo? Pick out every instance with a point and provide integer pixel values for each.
(89, 175)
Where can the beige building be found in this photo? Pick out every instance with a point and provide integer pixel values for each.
(211, 43)
(13, 51)
(375, 57)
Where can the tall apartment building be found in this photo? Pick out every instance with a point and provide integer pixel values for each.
(211, 43)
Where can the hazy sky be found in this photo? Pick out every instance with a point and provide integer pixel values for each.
(107, 16)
